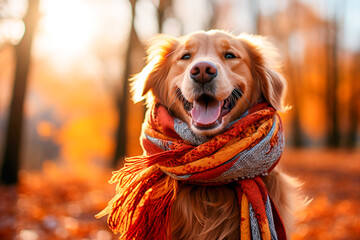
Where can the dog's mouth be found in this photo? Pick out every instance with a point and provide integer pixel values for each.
(206, 112)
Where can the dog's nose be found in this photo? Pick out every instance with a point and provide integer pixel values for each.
(203, 72)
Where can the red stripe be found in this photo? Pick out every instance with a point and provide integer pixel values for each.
(262, 188)
(279, 224)
(149, 147)
(253, 194)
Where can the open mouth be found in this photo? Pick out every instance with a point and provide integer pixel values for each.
(206, 112)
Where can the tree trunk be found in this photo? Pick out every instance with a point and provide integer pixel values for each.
(333, 134)
(354, 109)
(295, 77)
(163, 5)
(294, 74)
(11, 158)
(123, 98)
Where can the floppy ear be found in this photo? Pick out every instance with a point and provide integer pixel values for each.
(153, 75)
(264, 68)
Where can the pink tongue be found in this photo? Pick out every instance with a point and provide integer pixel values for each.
(206, 114)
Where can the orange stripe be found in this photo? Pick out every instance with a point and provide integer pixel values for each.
(245, 219)
(265, 230)
(155, 134)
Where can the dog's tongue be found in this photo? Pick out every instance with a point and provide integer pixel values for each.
(206, 114)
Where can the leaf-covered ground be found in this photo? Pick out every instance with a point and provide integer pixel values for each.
(332, 181)
(57, 204)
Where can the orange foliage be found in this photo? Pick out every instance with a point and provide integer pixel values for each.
(83, 117)
(45, 129)
(85, 138)
(55, 204)
(58, 204)
(313, 116)
(331, 180)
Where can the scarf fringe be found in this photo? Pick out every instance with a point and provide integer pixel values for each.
(142, 204)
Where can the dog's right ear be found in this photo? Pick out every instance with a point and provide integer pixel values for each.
(157, 67)
(265, 68)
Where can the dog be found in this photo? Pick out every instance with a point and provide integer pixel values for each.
(208, 80)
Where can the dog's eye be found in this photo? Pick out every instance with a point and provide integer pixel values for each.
(229, 55)
(186, 56)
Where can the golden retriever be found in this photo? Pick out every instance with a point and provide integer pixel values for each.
(209, 79)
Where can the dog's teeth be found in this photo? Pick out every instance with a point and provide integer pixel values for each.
(187, 105)
(226, 103)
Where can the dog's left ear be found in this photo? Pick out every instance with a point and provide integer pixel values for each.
(265, 69)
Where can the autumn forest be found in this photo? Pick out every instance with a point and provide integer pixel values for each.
(67, 119)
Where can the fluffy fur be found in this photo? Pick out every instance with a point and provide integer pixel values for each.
(246, 72)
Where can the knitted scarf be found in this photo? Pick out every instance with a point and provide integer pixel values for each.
(147, 185)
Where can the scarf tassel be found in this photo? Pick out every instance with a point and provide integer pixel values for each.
(258, 221)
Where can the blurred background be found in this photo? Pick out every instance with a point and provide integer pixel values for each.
(66, 118)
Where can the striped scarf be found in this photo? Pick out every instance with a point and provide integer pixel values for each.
(147, 185)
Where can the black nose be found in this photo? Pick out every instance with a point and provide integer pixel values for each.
(203, 72)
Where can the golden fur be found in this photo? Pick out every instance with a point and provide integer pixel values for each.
(247, 63)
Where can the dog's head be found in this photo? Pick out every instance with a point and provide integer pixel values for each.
(209, 79)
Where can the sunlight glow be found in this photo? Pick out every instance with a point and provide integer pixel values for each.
(12, 31)
(12, 27)
(80, 35)
(67, 27)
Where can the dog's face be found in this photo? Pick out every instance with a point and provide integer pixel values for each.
(208, 79)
